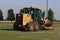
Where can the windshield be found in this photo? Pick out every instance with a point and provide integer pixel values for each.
(31, 12)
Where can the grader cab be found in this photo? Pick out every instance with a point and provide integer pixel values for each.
(30, 19)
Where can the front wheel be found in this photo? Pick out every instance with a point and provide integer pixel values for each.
(36, 27)
(30, 26)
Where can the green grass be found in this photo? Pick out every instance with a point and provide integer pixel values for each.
(57, 26)
(6, 25)
(6, 33)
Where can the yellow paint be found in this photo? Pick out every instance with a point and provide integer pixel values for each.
(37, 26)
(26, 18)
(46, 21)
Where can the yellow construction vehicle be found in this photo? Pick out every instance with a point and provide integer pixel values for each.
(32, 19)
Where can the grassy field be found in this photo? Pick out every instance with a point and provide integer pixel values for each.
(7, 33)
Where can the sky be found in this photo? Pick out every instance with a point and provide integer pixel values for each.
(16, 5)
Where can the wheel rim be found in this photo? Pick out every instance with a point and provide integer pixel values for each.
(37, 27)
(32, 28)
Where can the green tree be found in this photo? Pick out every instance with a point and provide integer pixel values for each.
(11, 15)
(1, 15)
(50, 15)
(21, 11)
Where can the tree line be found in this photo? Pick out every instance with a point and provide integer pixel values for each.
(11, 16)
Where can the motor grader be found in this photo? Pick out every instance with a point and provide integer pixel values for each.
(32, 19)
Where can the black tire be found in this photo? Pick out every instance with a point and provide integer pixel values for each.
(15, 26)
(36, 28)
(30, 26)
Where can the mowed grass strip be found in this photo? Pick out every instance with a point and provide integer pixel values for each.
(7, 33)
